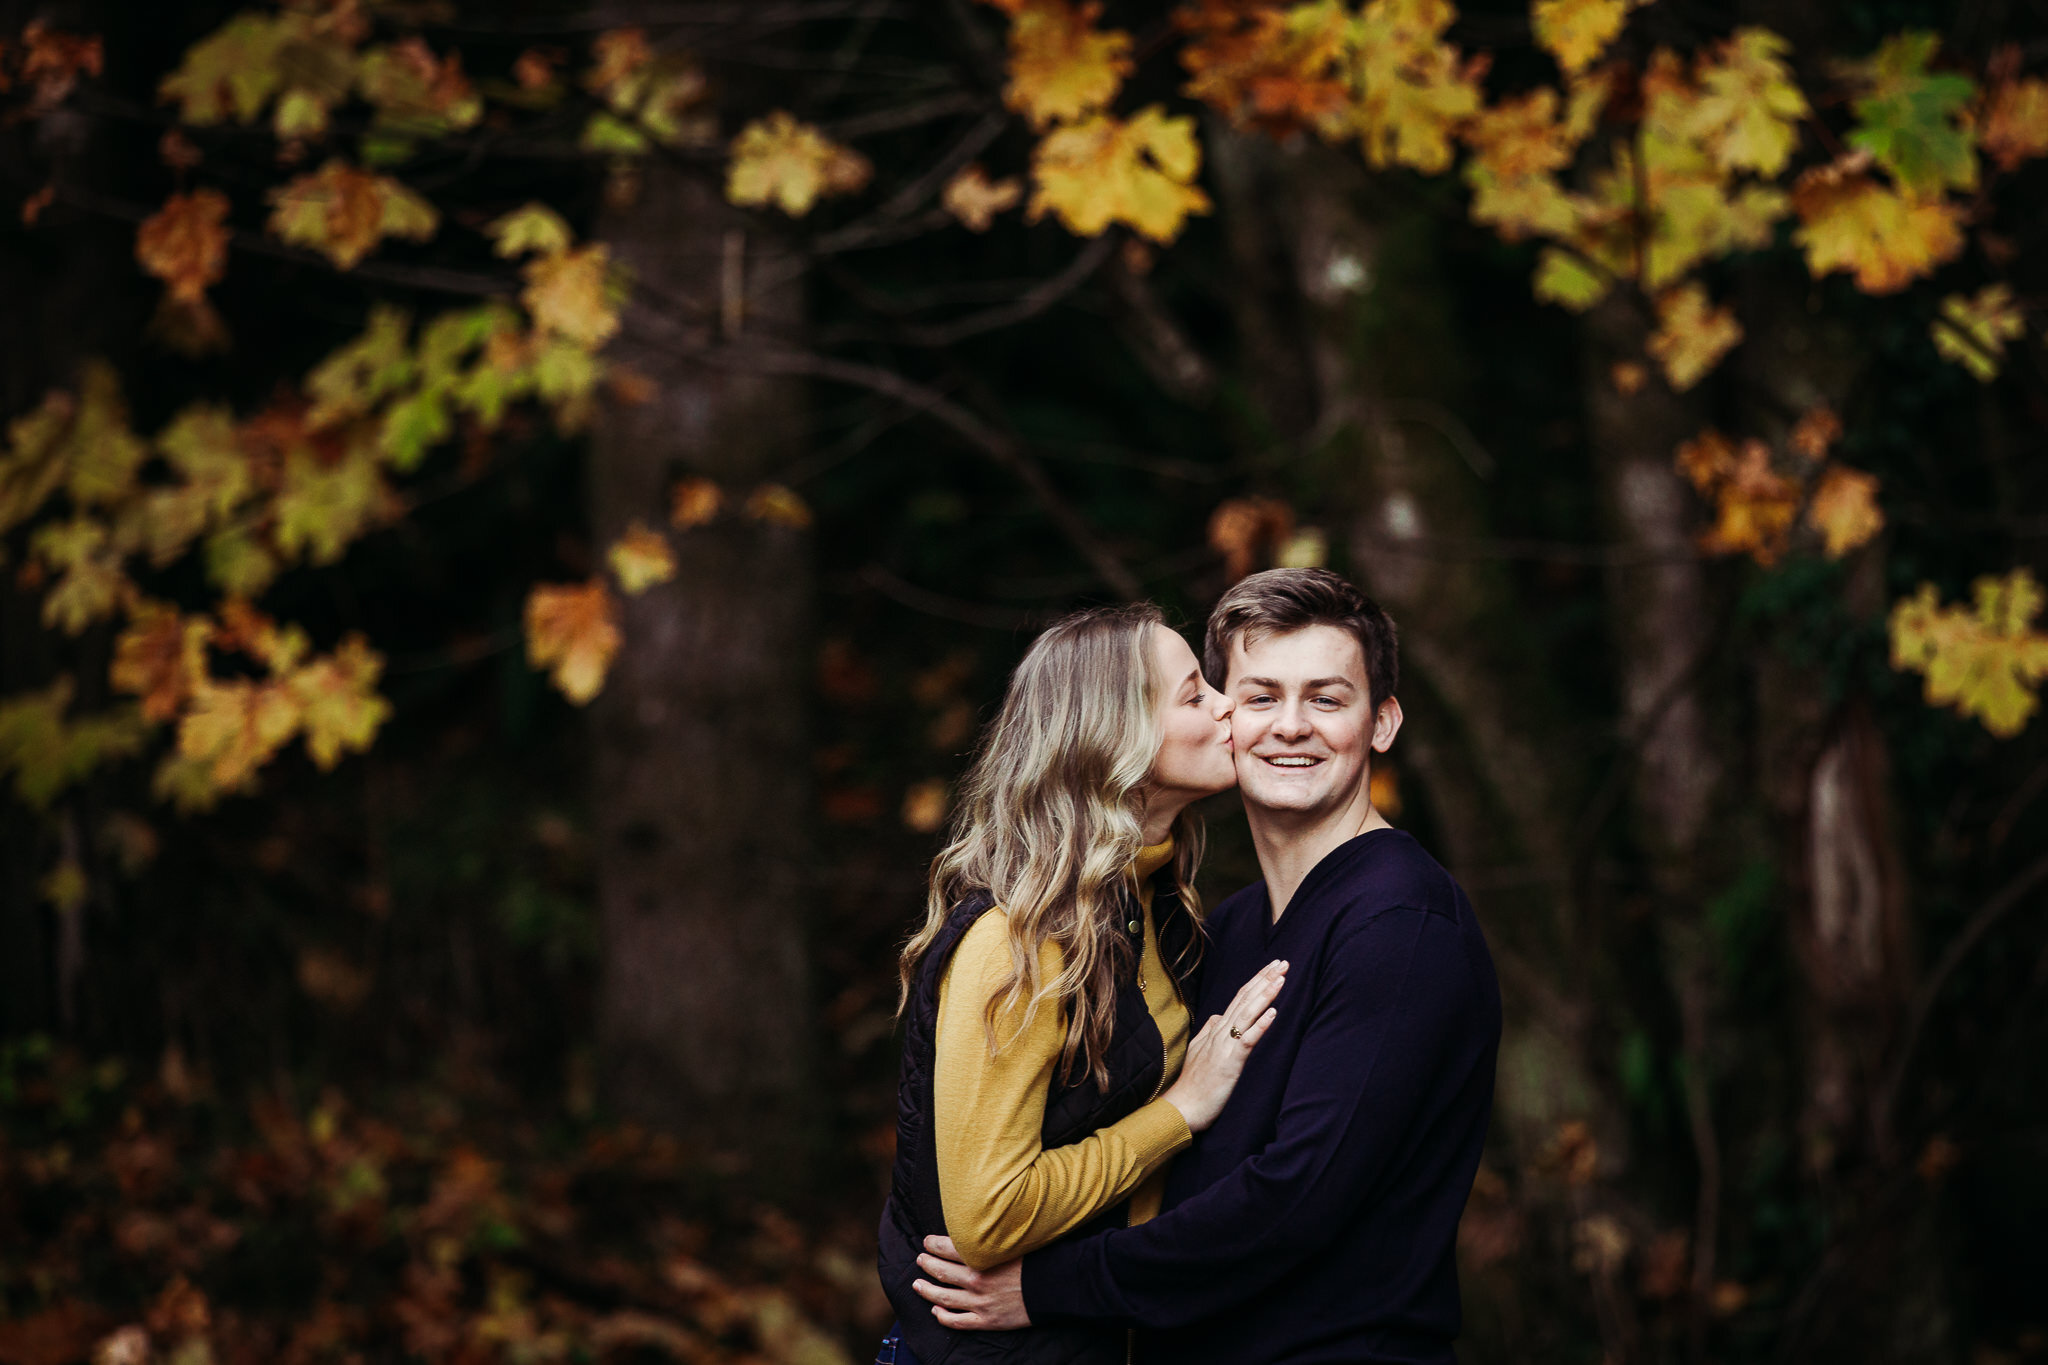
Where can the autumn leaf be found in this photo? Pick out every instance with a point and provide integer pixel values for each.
(1692, 335)
(1106, 170)
(573, 630)
(571, 294)
(1568, 280)
(343, 212)
(232, 72)
(323, 505)
(1914, 121)
(619, 56)
(1062, 68)
(52, 61)
(1816, 431)
(91, 582)
(531, 228)
(640, 559)
(778, 506)
(1518, 147)
(337, 701)
(415, 92)
(777, 160)
(695, 502)
(975, 200)
(157, 656)
(1576, 32)
(1754, 505)
(1244, 530)
(1749, 107)
(1844, 509)
(1973, 331)
(1850, 222)
(1273, 65)
(1984, 662)
(185, 243)
(354, 379)
(2013, 127)
(1412, 90)
(235, 726)
(47, 750)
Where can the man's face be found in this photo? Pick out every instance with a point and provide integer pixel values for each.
(1303, 726)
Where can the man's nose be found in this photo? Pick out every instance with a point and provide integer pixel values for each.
(1292, 722)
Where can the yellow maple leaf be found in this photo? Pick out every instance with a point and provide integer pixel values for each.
(1973, 331)
(1569, 280)
(1274, 65)
(974, 200)
(572, 629)
(1412, 90)
(571, 294)
(1063, 68)
(337, 700)
(1576, 32)
(1106, 170)
(1844, 509)
(1692, 335)
(1518, 147)
(185, 243)
(641, 558)
(777, 160)
(1848, 221)
(343, 212)
(1749, 107)
(531, 228)
(1985, 663)
(2014, 125)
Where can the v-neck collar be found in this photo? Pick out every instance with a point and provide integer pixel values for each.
(1325, 869)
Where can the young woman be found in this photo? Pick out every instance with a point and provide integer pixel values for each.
(1047, 1072)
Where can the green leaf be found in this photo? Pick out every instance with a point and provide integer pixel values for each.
(234, 71)
(357, 377)
(1913, 120)
(1563, 278)
(413, 426)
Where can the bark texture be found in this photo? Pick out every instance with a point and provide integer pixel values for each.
(701, 753)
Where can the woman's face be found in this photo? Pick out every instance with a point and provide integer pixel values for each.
(1195, 758)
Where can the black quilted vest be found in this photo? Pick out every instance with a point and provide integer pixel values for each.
(1137, 1059)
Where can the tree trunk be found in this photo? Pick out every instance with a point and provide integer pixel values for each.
(702, 757)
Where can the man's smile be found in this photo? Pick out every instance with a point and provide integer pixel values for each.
(1289, 760)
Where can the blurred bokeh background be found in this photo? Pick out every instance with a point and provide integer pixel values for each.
(514, 515)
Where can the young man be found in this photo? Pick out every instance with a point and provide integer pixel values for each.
(1317, 1219)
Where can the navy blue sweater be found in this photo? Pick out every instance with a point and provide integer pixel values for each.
(1318, 1219)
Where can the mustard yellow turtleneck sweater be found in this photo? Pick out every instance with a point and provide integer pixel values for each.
(1003, 1194)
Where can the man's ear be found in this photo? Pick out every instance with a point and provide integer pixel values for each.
(1386, 723)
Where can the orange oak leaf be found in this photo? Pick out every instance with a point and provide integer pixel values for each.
(695, 502)
(1266, 63)
(343, 212)
(1062, 68)
(1984, 662)
(779, 161)
(975, 200)
(1844, 509)
(185, 243)
(1106, 170)
(1849, 222)
(1692, 335)
(1576, 32)
(570, 293)
(1754, 505)
(640, 559)
(52, 61)
(1815, 433)
(572, 629)
(157, 657)
(2014, 124)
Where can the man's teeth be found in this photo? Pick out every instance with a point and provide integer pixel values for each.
(1293, 762)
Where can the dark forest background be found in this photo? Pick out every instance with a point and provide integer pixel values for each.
(543, 1031)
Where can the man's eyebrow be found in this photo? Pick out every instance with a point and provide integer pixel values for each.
(1312, 685)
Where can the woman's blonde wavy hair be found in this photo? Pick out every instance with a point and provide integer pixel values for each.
(1049, 822)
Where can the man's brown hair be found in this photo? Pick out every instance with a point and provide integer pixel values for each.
(1282, 601)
